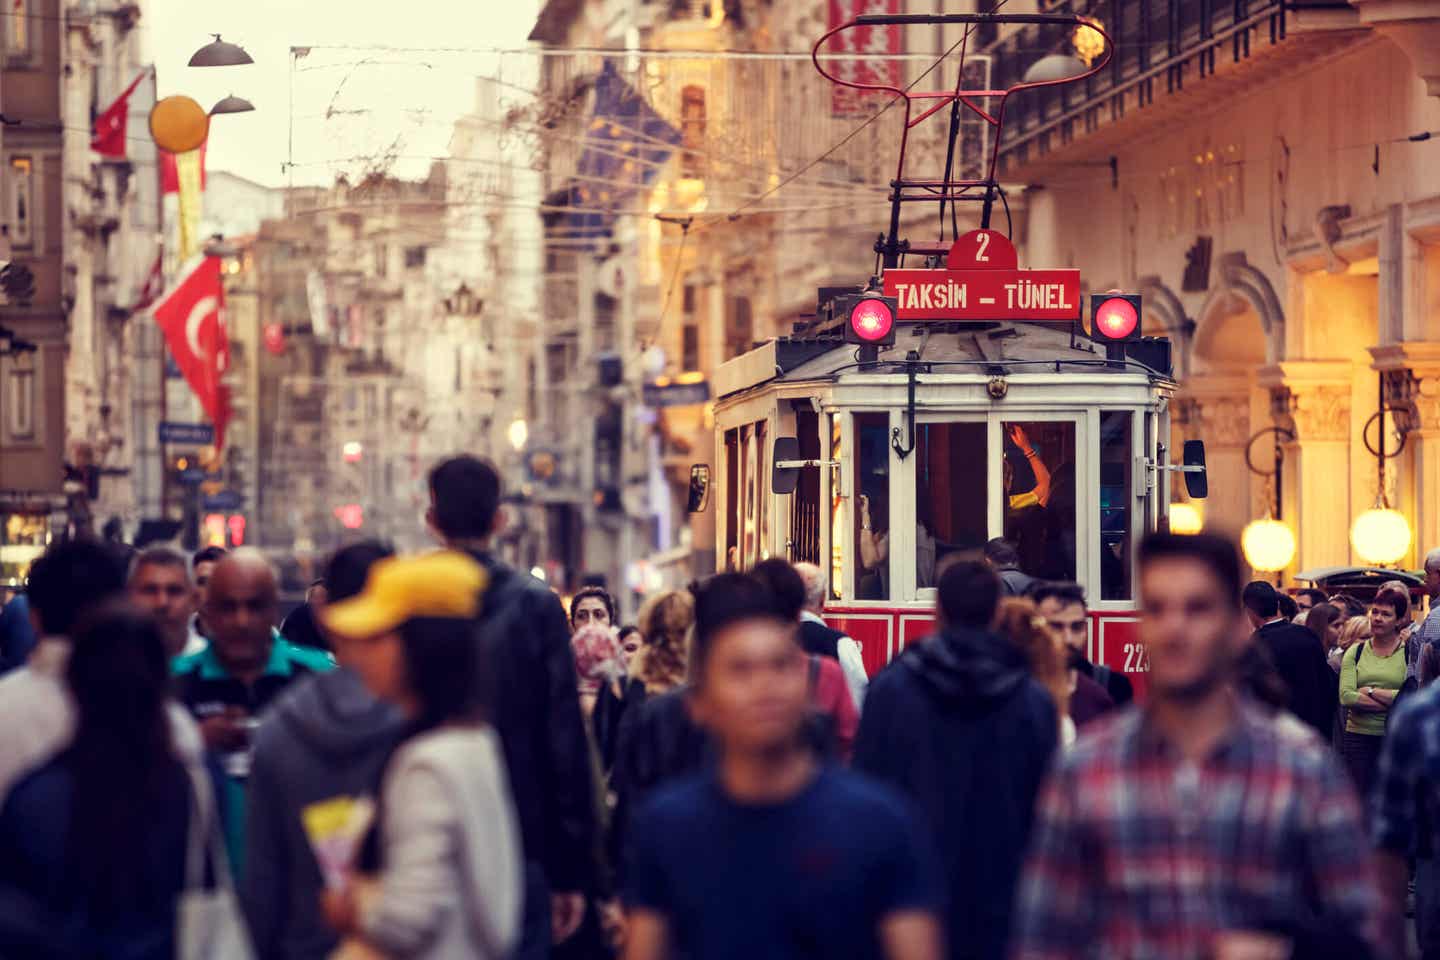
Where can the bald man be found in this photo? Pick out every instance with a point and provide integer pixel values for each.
(247, 663)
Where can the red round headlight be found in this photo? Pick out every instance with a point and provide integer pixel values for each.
(1116, 318)
(871, 320)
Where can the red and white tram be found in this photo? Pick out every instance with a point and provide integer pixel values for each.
(934, 409)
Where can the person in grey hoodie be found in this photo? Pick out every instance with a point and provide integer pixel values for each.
(326, 736)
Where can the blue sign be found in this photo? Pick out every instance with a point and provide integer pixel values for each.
(192, 476)
(226, 501)
(675, 394)
(194, 434)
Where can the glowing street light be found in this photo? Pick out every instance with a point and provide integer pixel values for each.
(518, 433)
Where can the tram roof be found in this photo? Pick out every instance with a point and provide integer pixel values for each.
(1011, 348)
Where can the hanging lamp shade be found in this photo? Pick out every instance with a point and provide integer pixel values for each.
(1055, 66)
(232, 104)
(1268, 545)
(1380, 535)
(218, 53)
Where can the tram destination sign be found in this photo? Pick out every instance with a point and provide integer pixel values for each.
(1043, 295)
(982, 281)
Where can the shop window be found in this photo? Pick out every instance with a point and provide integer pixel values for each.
(20, 208)
(951, 496)
(872, 499)
(1116, 502)
(1039, 488)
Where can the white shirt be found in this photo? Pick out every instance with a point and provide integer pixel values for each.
(851, 663)
(37, 715)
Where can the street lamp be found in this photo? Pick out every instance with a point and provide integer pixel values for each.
(518, 433)
(1268, 544)
(1185, 518)
(1380, 535)
(218, 53)
(232, 104)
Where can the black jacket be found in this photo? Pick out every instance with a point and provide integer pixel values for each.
(1299, 658)
(529, 681)
(960, 725)
(819, 639)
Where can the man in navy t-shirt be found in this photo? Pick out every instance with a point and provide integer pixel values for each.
(770, 854)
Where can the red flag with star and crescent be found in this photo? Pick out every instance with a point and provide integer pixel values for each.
(109, 134)
(192, 316)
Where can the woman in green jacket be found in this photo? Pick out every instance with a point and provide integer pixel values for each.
(1371, 675)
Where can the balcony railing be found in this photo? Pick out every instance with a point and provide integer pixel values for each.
(1160, 47)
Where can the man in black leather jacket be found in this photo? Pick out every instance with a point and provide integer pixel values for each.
(530, 677)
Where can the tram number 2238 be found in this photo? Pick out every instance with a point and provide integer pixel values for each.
(1136, 659)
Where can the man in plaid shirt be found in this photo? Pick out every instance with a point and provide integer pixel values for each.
(1406, 804)
(1199, 826)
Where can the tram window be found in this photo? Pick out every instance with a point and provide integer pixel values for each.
(749, 526)
(950, 495)
(732, 499)
(1116, 500)
(872, 496)
(1039, 478)
(762, 492)
(805, 503)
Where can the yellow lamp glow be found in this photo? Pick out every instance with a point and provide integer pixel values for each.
(1268, 545)
(1380, 535)
(1185, 518)
(518, 433)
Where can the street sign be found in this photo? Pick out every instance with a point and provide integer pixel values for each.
(982, 281)
(224, 502)
(667, 394)
(192, 476)
(195, 434)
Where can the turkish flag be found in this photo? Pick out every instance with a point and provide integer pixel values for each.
(192, 316)
(170, 177)
(109, 133)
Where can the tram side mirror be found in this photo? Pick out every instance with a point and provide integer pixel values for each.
(699, 488)
(1197, 484)
(785, 479)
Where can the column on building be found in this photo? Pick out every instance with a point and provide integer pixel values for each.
(1312, 400)
(1217, 410)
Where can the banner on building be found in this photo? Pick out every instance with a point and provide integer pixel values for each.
(191, 314)
(864, 53)
(170, 177)
(318, 299)
(108, 137)
(191, 190)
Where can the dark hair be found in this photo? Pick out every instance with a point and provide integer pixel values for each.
(1257, 676)
(208, 555)
(442, 668)
(68, 579)
(466, 494)
(1289, 609)
(301, 629)
(729, 598)
(1316, 595)
(1061, 590)
(1002, 553)
(121, 760)
(1212, 551)
(1397, 599)
(1318, 620)
(598, 592)
(1350, 604)
(348, 569)
(626, 630)
(784, 582)
(969, 592)
(1261, 599)
(160, 556)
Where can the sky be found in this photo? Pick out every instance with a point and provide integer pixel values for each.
(347, 103)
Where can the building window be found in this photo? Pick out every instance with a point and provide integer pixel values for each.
(382, 260)
(739, 327)
(19, 398)
(692, 132)
(17, 27)
(690, 333)
(414, 257)
(20, 208)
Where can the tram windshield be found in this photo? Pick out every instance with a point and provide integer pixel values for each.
(1039, 507)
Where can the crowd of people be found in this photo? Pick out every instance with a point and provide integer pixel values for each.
(433, 757)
